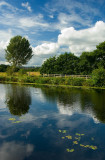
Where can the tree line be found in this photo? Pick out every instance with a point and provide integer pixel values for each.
(19, 52)
(68, 63)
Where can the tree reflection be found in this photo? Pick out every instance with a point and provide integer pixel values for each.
(18, 99)
(89, 101)
(95, 100)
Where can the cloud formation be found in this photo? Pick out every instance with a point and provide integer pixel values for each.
(75, 41)
(70, 40)
(5, 36)
(82, 40)
(56, 27)
(12, 150)
(27, 6)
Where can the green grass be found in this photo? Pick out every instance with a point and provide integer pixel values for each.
(53, 81)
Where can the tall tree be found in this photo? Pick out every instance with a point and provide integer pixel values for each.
(67, 63)
(49, 66)
(99, 55)
(18, 52)
(86, 63)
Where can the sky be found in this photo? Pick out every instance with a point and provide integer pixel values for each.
(52, 26)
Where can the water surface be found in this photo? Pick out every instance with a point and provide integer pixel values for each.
(51, 123)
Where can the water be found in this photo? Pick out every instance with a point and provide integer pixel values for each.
(49, 123)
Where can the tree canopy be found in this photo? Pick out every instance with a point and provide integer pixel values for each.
(68, 63)
(18, 52)
(3, 67)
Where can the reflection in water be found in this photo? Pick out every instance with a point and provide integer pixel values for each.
(15, 151)
(53, 110)
(18, 99)
(89, 101)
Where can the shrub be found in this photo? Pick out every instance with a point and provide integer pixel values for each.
(77, 81)
(88, 82)
(10, 71)
(98, 77)
(22, 72)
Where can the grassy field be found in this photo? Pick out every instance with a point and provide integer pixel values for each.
(34, 73)
(16, 73)
(36, 78)
(3, 74)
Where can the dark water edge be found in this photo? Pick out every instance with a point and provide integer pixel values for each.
(52, 85)
(44, 122)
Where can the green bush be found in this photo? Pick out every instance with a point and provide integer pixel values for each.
(10, 71)
(77, 81)
(98, 77)
(68, 81)
(88, 83)
(22, 72)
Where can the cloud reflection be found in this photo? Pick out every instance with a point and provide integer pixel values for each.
(15, 151)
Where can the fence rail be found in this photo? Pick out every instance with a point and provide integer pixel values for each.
(64, 75)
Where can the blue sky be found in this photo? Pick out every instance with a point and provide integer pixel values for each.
(52, 26)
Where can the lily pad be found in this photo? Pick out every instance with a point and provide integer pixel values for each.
(11, 119)
(69, 137)
(17, 122)
(75, 142)
(69, 150)
(64, 131)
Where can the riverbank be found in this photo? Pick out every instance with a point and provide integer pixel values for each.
(51, 81)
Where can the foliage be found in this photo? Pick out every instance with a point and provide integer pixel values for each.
(78, 81)
(3, 68)
(22, 72)
(86, 63)
(100, 55)
(18, 52)
(68, 63)
(98, 76)
(49, 66)
(10, 71)
(64, 64)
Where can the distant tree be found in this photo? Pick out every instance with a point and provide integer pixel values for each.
(49, 66)
(86, 63)
(99, 55)
(18, 52)
(98, 76)
(3, 68)
(67, 63)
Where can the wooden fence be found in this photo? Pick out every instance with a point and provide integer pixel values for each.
(64, 75)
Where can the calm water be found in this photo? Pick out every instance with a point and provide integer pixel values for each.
(50, 123)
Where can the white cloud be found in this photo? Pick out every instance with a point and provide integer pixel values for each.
(32, 22)
(82, 40)
(71, 40)
(5, 36)
(4, 7)
(27, 6)
(46, 49)
(19, 20)
(51, 16)
(72, 19)
(3, 3)
(71, 6)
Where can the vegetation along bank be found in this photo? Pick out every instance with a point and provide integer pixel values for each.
(97, 79)
(19, 52)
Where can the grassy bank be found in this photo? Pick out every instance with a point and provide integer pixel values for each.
(53, 81)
